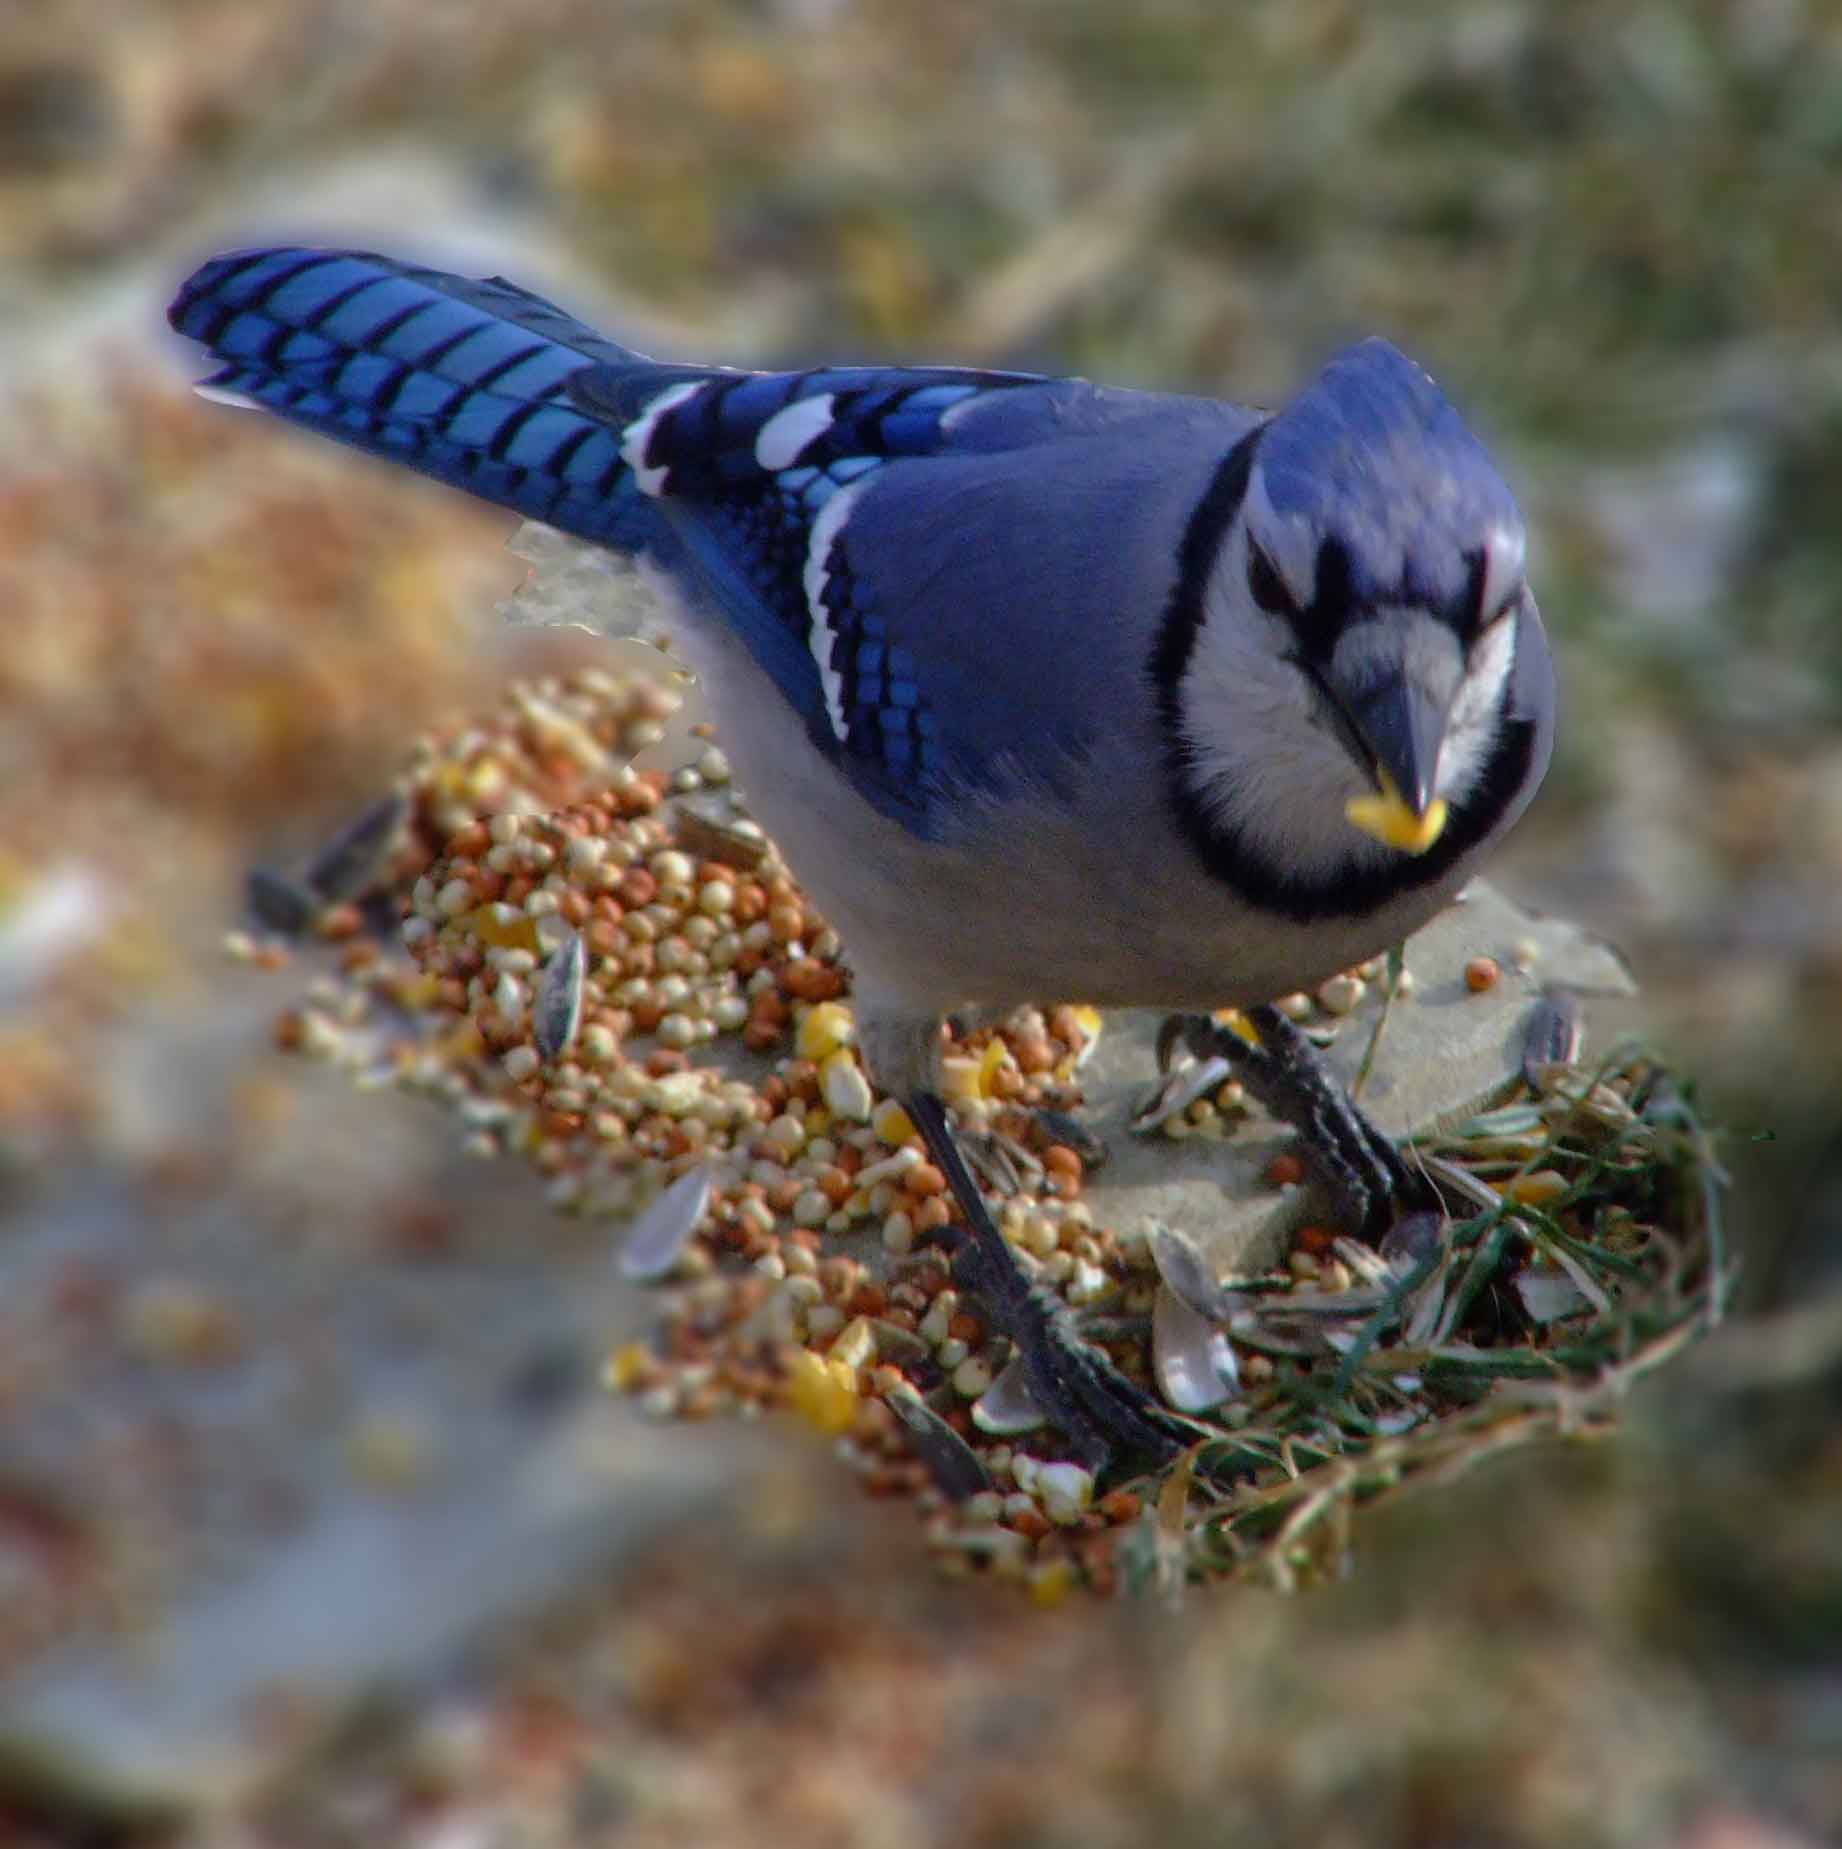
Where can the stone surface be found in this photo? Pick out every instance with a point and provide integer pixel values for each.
(375, 1591)
(274, 1441)
(1444, 1054)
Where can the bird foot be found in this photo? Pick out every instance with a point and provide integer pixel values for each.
(1105, 1415)
(1278, 1066)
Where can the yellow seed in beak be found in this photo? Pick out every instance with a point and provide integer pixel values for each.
(1387, 817)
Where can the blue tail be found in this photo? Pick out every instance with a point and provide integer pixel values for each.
(462, 380)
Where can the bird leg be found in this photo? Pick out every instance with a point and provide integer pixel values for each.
(1281, 1068)
(1079, 1389)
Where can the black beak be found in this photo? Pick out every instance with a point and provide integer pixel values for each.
(1402, 730)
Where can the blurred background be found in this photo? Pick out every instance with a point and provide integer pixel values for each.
(314, 1527)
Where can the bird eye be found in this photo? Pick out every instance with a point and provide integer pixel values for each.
(1496, 578)
(1268, 588)
(1490, 615)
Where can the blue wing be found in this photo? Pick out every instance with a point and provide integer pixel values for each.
(955, 577)
(761, 475)
(903, 551)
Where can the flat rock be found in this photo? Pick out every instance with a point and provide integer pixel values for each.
(257, 1462)
(1445, 1054)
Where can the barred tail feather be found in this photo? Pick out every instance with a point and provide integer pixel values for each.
(465, 381)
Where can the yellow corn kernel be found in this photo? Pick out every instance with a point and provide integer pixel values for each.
(891, 1123)
(822, 1030)
(627, 1367)
(1052, 1582)
(504, 927)
(823, 1393)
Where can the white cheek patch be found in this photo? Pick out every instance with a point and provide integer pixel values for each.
(1472, 725)
(637, 436)
(819, 632)
(1262, 763)
(779, 441)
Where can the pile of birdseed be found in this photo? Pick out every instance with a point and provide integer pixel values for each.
(610, 974)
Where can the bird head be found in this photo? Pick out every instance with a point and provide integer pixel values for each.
(1366, 643)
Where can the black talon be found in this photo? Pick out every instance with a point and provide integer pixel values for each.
(1365, 1171)
(1187, 1028)
(1103, 1413)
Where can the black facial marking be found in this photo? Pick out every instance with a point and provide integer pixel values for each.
(1322, 621)
(1268, 588)
(1470, 616)
(1183, 616)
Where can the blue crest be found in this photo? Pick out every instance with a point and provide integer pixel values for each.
(1375, 456)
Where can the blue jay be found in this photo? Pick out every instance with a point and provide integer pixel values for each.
(1046, 689)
